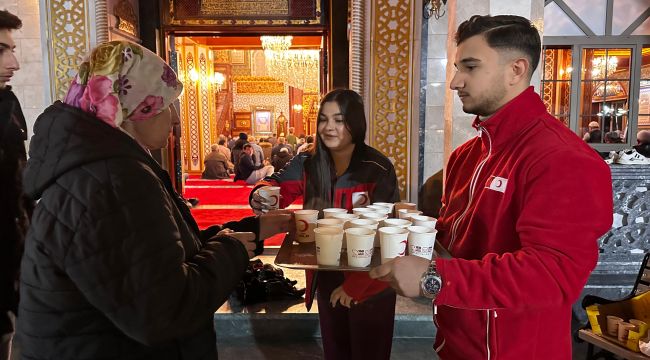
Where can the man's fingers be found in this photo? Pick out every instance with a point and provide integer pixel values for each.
(381, 272)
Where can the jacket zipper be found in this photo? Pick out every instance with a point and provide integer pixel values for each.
(487, 340)
(472, 188)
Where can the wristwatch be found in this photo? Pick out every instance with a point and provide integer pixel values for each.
(431, 282)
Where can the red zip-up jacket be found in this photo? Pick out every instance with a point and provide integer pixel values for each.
(524, 204)
(369, 178)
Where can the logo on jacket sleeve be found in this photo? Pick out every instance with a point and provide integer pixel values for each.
(360, 199)
(497, 183)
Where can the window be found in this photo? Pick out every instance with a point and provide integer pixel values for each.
(596, 69)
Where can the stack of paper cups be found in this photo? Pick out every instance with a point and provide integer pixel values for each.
(305, 225)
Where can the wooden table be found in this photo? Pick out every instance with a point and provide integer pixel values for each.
(608, 345)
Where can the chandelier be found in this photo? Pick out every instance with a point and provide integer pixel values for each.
(600, 65)
(433, 8)
(298, 68)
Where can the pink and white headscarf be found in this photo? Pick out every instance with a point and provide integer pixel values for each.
(122, 80)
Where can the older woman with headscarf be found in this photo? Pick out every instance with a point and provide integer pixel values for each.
(115, 267)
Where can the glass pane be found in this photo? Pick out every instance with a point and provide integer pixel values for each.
(609, 90)
(557, 23)
(644, 122)
(625, 12)
(590, 129)
(644, 98)
(645, 64)
(557, 96)
(557, 64)
(643, 29)
(598, 64)
(591, 12)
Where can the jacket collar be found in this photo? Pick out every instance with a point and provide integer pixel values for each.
(510, 120)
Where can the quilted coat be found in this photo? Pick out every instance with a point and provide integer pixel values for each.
(114, 266)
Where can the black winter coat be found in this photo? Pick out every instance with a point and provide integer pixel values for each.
(14, 209)
(114, 266)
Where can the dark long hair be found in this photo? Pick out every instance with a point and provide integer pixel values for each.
(320, 170)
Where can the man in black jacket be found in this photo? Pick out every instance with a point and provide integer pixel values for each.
(246, 169)
(14, 209)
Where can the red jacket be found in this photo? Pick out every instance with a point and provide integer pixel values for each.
(370, 177)
(524, 204)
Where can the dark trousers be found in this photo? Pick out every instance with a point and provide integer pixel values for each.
(364, 331)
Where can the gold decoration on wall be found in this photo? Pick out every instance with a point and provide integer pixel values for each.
(389, 92)
(260, 87)
(310, 104)
(70, 40)
(126, 19)
(245, 7)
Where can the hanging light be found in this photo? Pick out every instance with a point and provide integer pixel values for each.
(599, 65)
(217, 79)
(433, 8)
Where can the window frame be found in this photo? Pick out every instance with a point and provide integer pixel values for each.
(580, 43)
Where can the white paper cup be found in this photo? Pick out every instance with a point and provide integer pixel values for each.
(385, 204)
(401, 223)
(305, 225)
(423, 220)
(380, 209)
(328, 245)
(368, 224)
(346, 217)
(360, 246)
(405, 205)
(421, 241)
(329, 212)
(407, 213)
(331, 222)
(271, 195)
(361, 210)
(374, 216)
(393, 242)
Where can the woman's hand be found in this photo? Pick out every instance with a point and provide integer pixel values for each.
(258, 202)
(339, 295)
(246, 238)
(275, 222)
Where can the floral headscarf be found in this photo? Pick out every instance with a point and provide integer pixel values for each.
(122, 80)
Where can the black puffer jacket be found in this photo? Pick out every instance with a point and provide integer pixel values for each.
(114, 265)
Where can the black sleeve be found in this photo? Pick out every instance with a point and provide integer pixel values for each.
(247, 224)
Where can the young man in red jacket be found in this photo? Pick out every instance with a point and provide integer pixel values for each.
(524, 204)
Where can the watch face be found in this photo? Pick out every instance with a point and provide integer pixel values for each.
(432, 284)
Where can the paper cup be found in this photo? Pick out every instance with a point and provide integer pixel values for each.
(401, 223)
(329, 212)
(623, 330)
(271, 195)
(360, 246)
(305, 225)
(421, 241)
(423, 220)
(331, 222)
(374, 216)
(362, 210)
(380, 209)
(612, 325)
(346, 217)
(368, 224)
(328, 245)
(404, 205)
(392, 242)
(407, 213)
(390, 206)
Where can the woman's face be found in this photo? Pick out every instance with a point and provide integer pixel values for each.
(332, 129)
(154, 132)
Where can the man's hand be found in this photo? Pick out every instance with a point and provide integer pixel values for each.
(258, 203)
(275, 222)
(246, 238)
(339, 295)
(403, 274)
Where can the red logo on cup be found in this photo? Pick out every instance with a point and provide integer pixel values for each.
(274, 200)
(403, 249)
(360, 199)
(305, 225)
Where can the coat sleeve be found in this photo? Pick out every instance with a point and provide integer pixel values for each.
(129, 261)
(566, 205)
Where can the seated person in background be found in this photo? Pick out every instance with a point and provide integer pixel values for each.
(246, 169)
(222, 148)
(266, 148)
(281, 144)
(307, 146)
(594, 135)
(281, 159)
(258, 153)
(613, 137)
(216, 165)
(643, 143)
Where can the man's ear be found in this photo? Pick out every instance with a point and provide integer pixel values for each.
(519, 70)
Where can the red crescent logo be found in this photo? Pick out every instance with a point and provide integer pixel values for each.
(305, 224)
(404, 248)
(499, 183)
(275, 200)
(364, 199)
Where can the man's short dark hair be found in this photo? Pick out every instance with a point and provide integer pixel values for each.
(222, 141)
(509, 32)
(9, 21)
(246, 146)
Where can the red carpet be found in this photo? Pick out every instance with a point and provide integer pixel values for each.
(221, 201)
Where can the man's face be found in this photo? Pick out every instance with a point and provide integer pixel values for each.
(480, 78)
(8, 62)
(249, 151)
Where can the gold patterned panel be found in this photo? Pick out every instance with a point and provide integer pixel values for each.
(391, 74)
(260, 87)
(69, 30)
(310, 104)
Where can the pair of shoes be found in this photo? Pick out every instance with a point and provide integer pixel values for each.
(627, 157)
